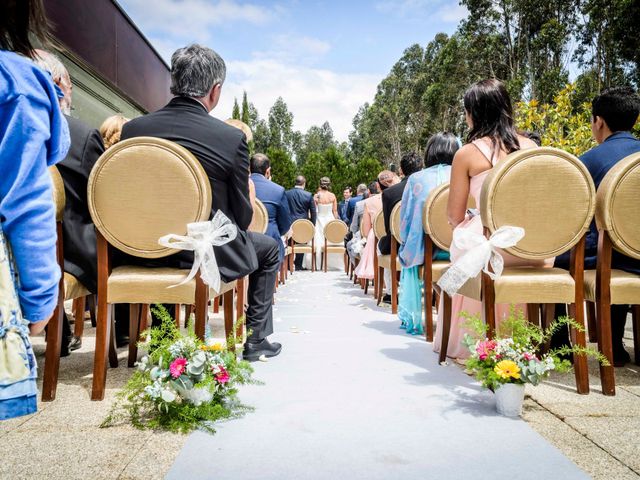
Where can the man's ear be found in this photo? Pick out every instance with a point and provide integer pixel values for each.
(214, 95)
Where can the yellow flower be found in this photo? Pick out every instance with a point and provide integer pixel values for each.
(507, 369)
(216, 347)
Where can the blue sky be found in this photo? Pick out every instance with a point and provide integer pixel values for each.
(325, 58)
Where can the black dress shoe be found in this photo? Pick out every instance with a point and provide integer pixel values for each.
(253, 351)
(75, 343)
(386, 298)
(620, 356)
(122, 341)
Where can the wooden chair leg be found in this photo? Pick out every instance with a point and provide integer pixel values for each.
(446, 328)
(428, 311)
(533, 313)
(325, 259)
(635, 319)
(92, 302)
(591, 322)
(216, 305)
(366, 286)
(113, 353)
(227, 305)
(134, 333)
(201, 307)
(240, 308)
(52, 353)
(177, 315)
(381, 286)
(78, 315)
(145, 311)
(103, 335)
(578, 338)
(394, 293)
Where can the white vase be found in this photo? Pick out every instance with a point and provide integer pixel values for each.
(509, 399)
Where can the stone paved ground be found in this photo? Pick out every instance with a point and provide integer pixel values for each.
(64, 441)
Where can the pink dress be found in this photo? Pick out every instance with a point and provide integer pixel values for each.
(460, 303)
(365, 268)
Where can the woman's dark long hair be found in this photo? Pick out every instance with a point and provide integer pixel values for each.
(18, 19)
(489, 105)
(441, 148)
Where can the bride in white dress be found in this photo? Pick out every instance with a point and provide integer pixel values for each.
(327, 207)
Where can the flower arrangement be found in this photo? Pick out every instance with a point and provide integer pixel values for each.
(514, 355)
(181, 383)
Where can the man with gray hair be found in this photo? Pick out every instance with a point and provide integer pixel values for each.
(197, 75)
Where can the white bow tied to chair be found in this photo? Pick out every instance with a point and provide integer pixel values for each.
(480, 252)
(201, 238)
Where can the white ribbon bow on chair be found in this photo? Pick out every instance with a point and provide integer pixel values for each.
(201, 238)
(480, 252)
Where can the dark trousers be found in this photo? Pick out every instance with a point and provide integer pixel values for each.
(618, 312)
(298, 261)
(259, 317)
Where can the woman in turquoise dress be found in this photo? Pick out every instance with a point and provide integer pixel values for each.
(33, 136)
(437, 161)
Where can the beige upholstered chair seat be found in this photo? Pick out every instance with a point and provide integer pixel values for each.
(332, 248)
(438, 268)
(527, 285)
(385, 262)
(625, 287)
(73, 288)
(303, 248)
(151, 285)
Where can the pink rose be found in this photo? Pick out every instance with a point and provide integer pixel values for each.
(177, 367)
(485, 347)
(528, 357)
(222, 376)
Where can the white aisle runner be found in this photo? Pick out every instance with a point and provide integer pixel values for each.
(352, 396)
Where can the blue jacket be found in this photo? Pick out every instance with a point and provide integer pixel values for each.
(33, 136)
(351, 207)
(599, 160)
(301, 204)
(277, 205)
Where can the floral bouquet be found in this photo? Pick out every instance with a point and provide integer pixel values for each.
(514, 355)
(181, 383)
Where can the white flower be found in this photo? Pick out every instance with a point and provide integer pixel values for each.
(198, 396)
(168, 395)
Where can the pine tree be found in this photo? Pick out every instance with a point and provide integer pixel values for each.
(236, 110)
(246, 117)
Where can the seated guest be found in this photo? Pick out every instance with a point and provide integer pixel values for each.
(273, 197)
(409, 164)
(78, 232)
(301, 206)
(358, 211)
(342, 206)
(371, 207)
(613, 114)
(111, 129)
(33, 136)
(353, 240)
(222, 150)
(437, 161)
(492, 136)
(351, 204)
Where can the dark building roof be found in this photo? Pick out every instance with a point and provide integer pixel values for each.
(101, 34)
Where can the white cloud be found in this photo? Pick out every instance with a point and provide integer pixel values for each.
(195, 18)
(449, 11)
(453, 13)
(291, 48)
(314, 95)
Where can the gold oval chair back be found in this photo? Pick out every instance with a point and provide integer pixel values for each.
(143, 188)
(395, 222)
(378, 225)
(302, 231)
(535, 189)
(334, 231)
(435, 220)
(59, 197)
(260, 220)
(616, 202)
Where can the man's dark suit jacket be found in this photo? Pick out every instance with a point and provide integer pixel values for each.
(79, 236)
(599, 160)
(351, 207)
(222, 150)
(390, 197)
(275, 201)
(301, 204)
